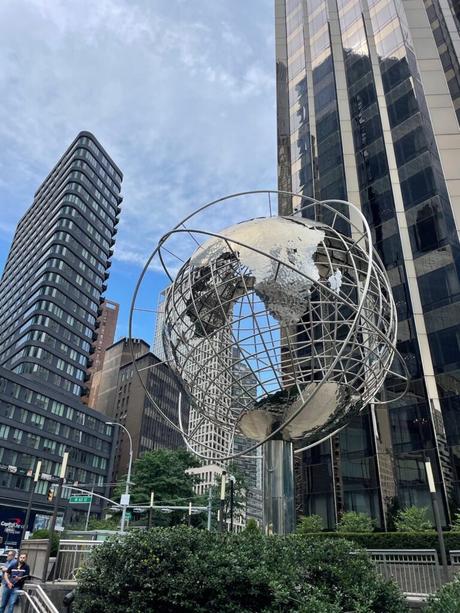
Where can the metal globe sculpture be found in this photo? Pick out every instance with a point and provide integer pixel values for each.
(302, 307)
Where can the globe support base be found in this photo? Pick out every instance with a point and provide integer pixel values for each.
(278, 474)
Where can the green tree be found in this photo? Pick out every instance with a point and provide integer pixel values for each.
(351, 521)
(455, 526)
(162, 472)
(310, 523)
(412, 519)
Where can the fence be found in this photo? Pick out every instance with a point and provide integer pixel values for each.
(71, 556)
(416, 571)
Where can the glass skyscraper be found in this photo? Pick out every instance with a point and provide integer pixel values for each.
(56, 272)
(368, 103)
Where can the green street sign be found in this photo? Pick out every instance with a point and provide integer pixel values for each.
(80, 499)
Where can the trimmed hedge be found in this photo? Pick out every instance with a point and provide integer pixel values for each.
(185, 570)
(43, 533)
(394, 540)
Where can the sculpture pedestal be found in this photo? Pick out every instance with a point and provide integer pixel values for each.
(278, 492)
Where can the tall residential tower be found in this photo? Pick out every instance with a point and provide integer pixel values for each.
(368, 98)
(56, 272)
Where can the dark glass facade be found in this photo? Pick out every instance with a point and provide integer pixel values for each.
(377, 79)
(122, 398)
(39, 423)
(56, 271)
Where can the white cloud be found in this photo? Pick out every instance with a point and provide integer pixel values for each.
(180, 93)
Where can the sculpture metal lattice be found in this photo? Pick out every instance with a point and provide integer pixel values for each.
(303, 309)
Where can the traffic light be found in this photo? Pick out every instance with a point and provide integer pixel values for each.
(50, 494)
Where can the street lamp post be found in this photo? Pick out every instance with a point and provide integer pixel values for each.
(125, 497)
(232, 492)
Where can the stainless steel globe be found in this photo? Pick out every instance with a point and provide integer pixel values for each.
(305, 309)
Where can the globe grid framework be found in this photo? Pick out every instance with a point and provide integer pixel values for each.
(291, 315)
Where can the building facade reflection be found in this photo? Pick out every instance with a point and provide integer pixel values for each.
(368, 111)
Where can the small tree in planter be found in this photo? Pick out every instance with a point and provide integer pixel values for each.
(310, 523)
(351, 521)
(413, 519)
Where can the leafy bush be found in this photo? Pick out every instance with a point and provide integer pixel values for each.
(43, 533)
(355, 522)
(252, 526)
(446, 600)
(310, 523)
(178, 570)
(413, 519)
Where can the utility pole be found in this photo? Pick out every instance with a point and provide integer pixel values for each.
(209, 509)
(32, 490)
(222, 501)
(189, 519)
(89, 509)
(57, 498)
(124, 502)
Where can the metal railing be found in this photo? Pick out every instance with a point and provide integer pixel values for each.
(37, 600)
(416, 571)
(455, 560)
(71, 556)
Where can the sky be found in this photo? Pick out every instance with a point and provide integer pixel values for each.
(181, 93)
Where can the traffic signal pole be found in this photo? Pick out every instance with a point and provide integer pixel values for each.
(52, 524)
(31, 495)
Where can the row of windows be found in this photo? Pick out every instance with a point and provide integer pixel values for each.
(111, 203)
(65, 432)
(60, 331)
(69, 270)
(24, 460)
(17, 281)
(71, 290)
(20, 392)
(46, 357)
(27, 368)
(11, 313)
(84, 256)
(75, 244)
(101, 219)
(30, 440)
(26, 244)
(64, 301)
(78, 264)
(86, 155)
(56, 343)
(85, 210)
(104, 161)
(50, 307)
(85, 227)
